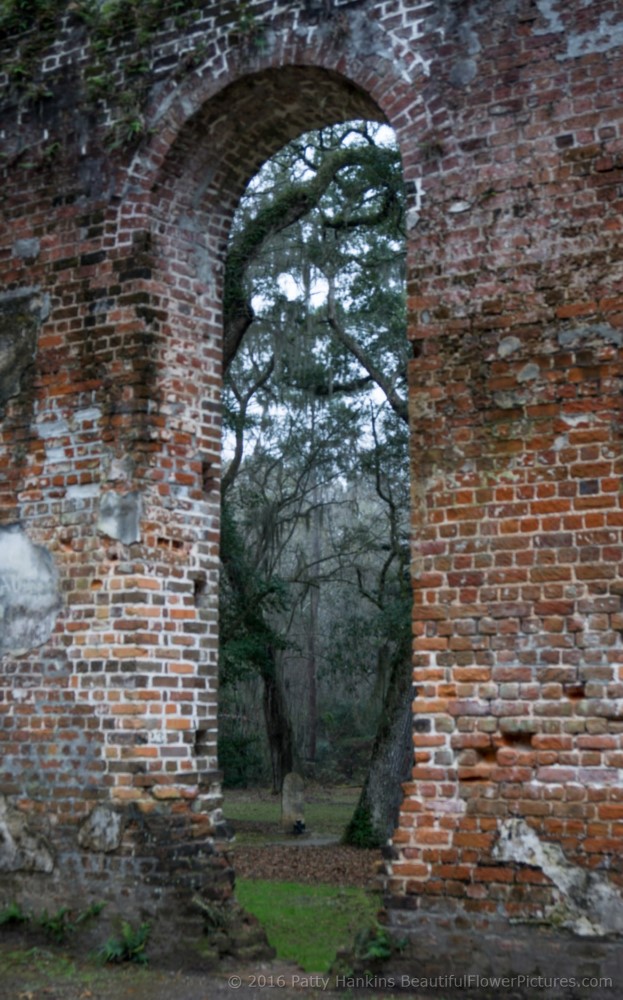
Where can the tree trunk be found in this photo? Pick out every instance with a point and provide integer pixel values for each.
(312, 706)
(312, 666)
(278, 727)
(376, 814)
(248, 591)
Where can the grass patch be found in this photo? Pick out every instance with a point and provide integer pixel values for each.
(327, 811)
(308, 924)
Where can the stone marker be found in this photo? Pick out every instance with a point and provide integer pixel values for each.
(293, 804)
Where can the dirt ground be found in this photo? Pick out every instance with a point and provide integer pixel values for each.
(49, 974)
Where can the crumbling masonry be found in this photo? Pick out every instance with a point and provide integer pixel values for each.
(125, 144)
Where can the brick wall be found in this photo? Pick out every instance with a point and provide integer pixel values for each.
(118, 190)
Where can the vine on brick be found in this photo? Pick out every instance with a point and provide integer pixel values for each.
(120, 34)
(110, 24)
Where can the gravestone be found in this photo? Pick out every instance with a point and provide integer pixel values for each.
(293, 804)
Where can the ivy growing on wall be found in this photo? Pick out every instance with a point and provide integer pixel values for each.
(120, 35)
(112, 18)
(17, 16)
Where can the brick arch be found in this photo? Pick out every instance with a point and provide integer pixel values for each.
(357, 64)
(175, 224)
(197, 186)
(213, 130)
(239, 126)
(138, 630)
(193, 195)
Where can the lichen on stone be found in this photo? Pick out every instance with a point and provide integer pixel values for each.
(20, 849)
(587, 902)
(29, 594)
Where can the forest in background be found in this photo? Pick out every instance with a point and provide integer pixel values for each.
(315, 594)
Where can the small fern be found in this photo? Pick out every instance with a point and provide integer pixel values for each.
(13, 914)
(129, 946)
(215, 915)
(60, 925)
(55, 925)
(376, 945)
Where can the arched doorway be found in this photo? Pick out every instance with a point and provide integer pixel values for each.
(193, 199)
(315, 598)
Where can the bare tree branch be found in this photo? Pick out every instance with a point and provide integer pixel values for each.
(397, 403)
(243, 400)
